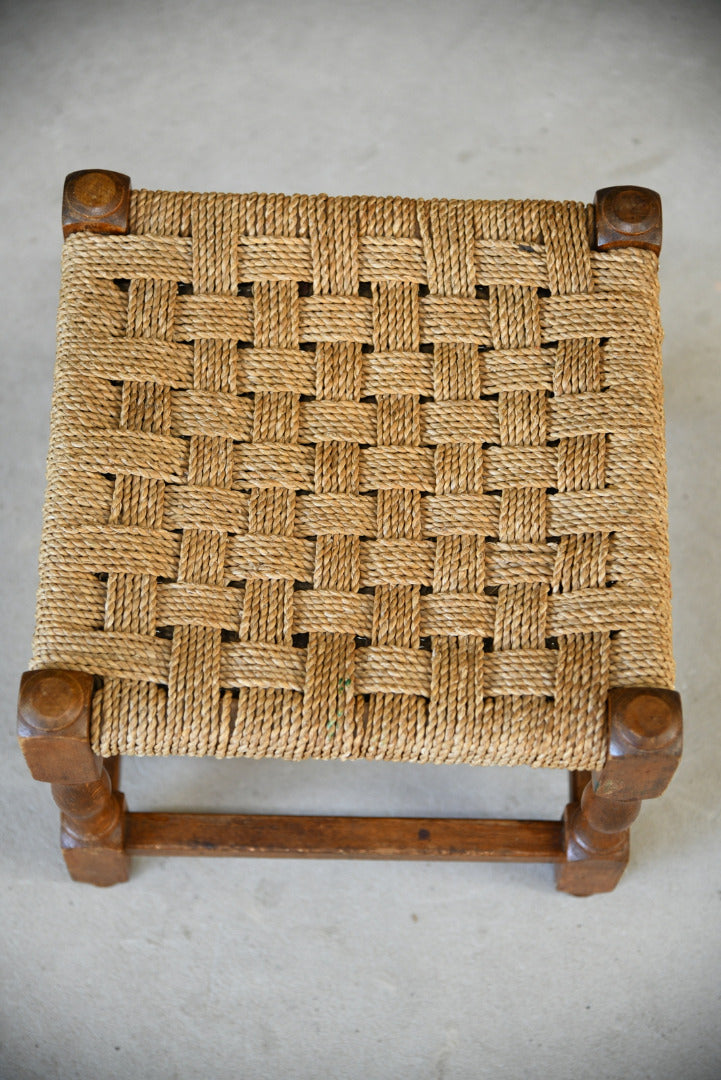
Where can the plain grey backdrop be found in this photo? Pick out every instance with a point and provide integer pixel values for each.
(265, 969)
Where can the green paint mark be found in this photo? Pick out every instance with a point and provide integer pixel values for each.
(343, 685)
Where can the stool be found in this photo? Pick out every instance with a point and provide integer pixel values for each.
(358, 478)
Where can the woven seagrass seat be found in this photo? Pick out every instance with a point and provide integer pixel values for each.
(371, 478)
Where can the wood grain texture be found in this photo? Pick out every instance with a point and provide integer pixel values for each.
(344, 837)
(628, 216)
(92, 831)
(53, 726)
(645, 743)
(97, 201)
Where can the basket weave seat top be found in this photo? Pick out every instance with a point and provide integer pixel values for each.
(356, 477)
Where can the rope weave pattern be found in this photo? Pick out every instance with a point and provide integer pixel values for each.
(356, 477)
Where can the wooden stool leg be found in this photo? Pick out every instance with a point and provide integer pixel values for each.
(628, 216)
(645, 737)
(96, 201)
(53, 731)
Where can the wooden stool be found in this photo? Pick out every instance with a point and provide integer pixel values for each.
(371, 478)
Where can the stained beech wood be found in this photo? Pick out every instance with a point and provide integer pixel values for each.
(92, 831)
(345, 837)
(112, 768)
(645, 741)
(54, 733)
(96, 200)
(628, 216)
(577, 783)
(54, 725)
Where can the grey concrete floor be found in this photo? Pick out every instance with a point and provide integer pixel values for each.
(304, 969)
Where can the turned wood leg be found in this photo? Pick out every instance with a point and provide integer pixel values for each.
(645, 736)
(97, 201)
(628, 216)
(54, 734)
